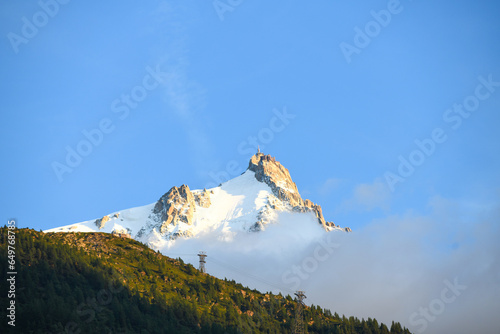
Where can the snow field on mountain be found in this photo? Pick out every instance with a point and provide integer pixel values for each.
(236, 201)
(133, 219)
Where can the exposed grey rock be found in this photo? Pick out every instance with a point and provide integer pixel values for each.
(203, 198)
(121, 234)
(101, 222)
(176, 235)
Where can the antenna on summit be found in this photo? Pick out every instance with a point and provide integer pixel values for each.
(258, 149)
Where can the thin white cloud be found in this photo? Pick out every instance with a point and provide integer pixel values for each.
(368, 196)
(388, 270)
(329, 185)
(397, 267)
(184, 95)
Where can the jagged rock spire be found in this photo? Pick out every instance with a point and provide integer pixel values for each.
(277, 177)
(271, 172)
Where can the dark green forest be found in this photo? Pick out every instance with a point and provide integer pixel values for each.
(100, 283)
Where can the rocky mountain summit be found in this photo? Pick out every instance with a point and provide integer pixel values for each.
(277, 177)
(247, 203)
(179, 204)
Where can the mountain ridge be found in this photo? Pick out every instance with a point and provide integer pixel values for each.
(247, 203)
(274, 174)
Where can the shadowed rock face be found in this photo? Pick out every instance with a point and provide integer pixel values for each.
(277, 177)
(101, 222)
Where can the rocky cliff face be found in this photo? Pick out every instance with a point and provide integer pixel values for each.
(177, 205)
(202, 198)
(277, 177)
(101, 222)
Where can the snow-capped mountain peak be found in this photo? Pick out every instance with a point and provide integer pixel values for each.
(247, 203)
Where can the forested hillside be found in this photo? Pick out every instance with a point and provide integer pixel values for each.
(100, 283)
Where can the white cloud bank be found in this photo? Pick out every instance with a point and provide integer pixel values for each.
(396, 268)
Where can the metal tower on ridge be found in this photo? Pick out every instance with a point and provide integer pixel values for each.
(202, 256)
(298, 327)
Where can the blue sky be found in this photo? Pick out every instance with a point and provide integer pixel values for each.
(223, 79)
(179, 90)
